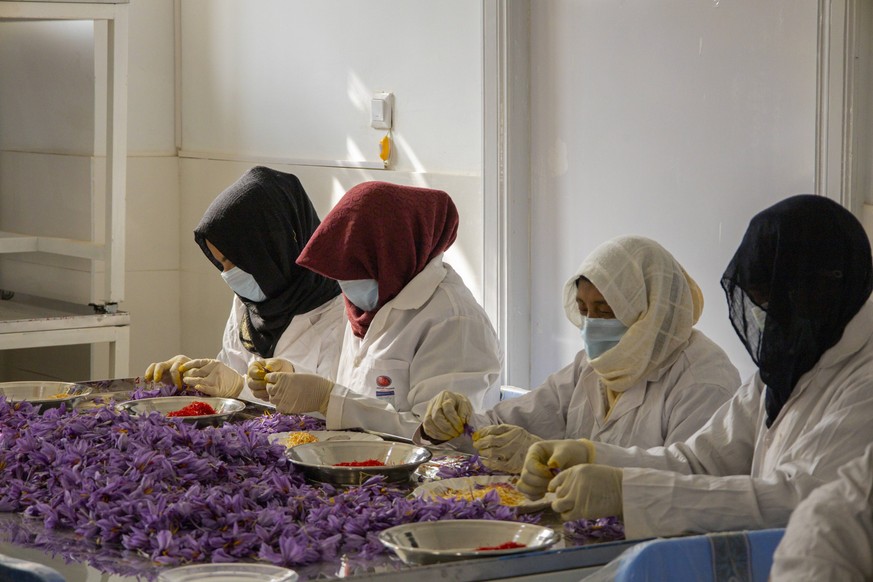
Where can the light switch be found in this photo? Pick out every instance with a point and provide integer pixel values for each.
(381, 109)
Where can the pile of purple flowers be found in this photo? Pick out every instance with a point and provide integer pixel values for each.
(603, 529)
(175, 493)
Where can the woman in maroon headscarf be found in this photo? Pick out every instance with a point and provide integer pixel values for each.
(414, 328)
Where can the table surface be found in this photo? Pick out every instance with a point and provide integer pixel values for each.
(81, 560)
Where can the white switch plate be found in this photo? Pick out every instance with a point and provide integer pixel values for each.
(381, 110)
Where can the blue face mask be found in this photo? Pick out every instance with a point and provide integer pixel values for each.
(600, 335)
(243, 284)
(363, 293)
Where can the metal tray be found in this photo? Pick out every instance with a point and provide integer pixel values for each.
(45, 394)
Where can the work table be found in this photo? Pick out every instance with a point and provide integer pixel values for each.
(82, 559)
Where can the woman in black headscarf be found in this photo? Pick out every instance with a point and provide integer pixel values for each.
(798, 292)
(282, 315)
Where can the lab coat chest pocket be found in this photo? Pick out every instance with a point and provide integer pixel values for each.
(388, 380)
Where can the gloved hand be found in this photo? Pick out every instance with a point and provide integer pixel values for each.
(446, 415)
(502, 447)
(587, 492)
(166, 372)
(259, 368)
(211, 377)
(545, 458)
(298, 393)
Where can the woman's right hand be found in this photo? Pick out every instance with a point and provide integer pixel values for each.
(166, 372)
(446, 416)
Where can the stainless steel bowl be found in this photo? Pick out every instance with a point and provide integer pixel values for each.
(225, 408)
(46, 394)
(457, 539)
(318, 460)
(228, 572)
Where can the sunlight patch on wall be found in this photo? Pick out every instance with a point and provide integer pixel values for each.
(359, 94)
(406, 149)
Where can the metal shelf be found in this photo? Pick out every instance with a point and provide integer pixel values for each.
(35, 322)
(11, 242)
(27, 321)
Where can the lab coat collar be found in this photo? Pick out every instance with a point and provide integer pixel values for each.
(629, 400)
(422, 286)
(855, 335)
(632, 398)
(415, 294)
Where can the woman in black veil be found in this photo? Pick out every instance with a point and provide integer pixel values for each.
(800, 275)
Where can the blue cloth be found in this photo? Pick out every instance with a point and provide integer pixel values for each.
(721, 557)
(15, 570)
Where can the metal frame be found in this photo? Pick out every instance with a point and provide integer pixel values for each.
(838, 151)
(111, 57)
(507, 180)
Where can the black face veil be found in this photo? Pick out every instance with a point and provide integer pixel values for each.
(261, 223)
(801, 273)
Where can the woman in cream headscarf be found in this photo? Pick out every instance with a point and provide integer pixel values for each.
(645, 377)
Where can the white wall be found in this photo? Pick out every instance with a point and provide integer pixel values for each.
(674, 120)
(260, 82)
(294, 79)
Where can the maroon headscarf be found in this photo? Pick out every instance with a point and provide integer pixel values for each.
(381, 231)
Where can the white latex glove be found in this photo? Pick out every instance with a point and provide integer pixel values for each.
(446, 415)
(298, 393)
(166, 372)
(545, 458)
(503, 447)
(587, 492)
(259, 368)
(212, 377)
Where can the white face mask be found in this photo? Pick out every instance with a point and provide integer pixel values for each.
(600, 335)
(363, 293)
(243, 284)
(759, 316)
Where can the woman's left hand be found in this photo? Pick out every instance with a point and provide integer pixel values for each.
(298, 393)
(502, 447)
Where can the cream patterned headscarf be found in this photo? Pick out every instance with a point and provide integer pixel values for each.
(651, 294)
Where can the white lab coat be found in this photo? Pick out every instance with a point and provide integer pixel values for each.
(830, 534)
(668, 406)
(734, 473)
(311, 342)
(431, 337)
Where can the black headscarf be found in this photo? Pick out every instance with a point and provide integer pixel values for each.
(805, 267)
(261, 223)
